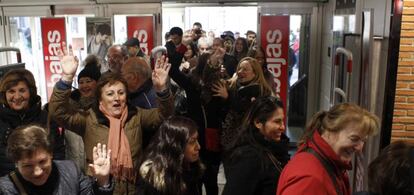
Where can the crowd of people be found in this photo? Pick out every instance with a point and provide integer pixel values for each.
(165, 125)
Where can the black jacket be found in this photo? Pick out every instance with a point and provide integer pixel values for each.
(251, 170)
(70, 181)
(10, 119)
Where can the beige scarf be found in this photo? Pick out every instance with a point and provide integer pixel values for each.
(121, 159)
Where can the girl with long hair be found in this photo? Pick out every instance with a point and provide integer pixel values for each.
(171, 163)
(260, 150)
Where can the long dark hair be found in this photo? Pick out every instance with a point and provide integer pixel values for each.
(260, 111)
(166, 154)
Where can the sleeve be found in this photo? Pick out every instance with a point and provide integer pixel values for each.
(88, 186)
(59, 109)
(242, 175)
(153, 117)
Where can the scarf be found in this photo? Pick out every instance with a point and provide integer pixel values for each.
(121, 159)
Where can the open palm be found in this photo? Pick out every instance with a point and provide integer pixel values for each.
(160, 73)
(101, 163)
(68, 61)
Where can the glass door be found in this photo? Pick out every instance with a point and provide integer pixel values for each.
(120, 14)
(300, 69)
(22, 30)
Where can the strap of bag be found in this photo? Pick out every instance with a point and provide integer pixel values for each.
(328, 167)
(275, 162)
(18, 184)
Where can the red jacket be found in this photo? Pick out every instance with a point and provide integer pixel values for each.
(305, 174)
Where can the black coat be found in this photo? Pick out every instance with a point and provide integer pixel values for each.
(250, 170)
(70, 181)
(10, 119)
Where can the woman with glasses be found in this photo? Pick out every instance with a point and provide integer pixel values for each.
(325, 151)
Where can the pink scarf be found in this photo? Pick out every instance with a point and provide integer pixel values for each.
(121, 159)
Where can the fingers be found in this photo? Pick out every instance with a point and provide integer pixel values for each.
(64, 49)
(103, 154)
(70, 50)
(108, 156)
(95, 153)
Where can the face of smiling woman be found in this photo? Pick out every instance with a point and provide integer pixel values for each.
(113, 98)
(346, 142)
(18, 96)
(36, 168)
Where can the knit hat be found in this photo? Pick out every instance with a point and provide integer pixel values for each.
(91, 71)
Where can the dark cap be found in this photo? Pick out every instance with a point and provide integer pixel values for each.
(132, 42)
(91, 71)
(227, 34)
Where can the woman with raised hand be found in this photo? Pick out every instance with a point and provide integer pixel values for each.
(37, 173)
(248, 83)
(171, 163)
(325, 151)
(112, 120)
(260, 150)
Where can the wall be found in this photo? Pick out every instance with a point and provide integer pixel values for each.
(403, 121)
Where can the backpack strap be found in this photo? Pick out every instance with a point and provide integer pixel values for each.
(17, 183)
(329, 167)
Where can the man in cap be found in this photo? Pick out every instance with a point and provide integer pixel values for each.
(134, 49)
(228, 38)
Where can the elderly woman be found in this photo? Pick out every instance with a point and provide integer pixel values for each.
(36, 173)
(171, 164)
(260, 151)
(20, 105)
(112, 120)
(325, 151)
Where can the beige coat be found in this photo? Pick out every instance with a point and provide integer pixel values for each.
(93, 126)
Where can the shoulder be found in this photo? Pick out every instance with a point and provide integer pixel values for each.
(7, 186)
(304, 163)
(246, 153)
(303, 173)
(66, 167)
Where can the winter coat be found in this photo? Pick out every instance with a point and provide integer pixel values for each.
(70, 181)
(93, 126)
(144, 187)
(144, 97)
(305, 174)
(253, 169)
(10, 119)
(73, 142)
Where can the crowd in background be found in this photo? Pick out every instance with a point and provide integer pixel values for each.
(164, 124)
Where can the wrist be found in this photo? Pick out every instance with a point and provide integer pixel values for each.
(67, 78)
(103, 181)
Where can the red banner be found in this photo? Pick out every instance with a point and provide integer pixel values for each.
(142, 28)
(274, 33)
(53, 34)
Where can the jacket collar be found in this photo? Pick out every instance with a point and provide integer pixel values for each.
(318, 144)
